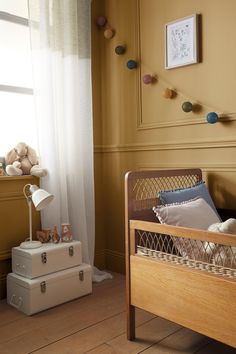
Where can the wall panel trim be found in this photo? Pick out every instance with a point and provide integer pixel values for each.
(100, 259)
(194, 120)
(204, 167)
(115, 261)
(181, 122)
(6, 254)
(11, 196)
(115, 254)
(3, 277)
(184, 145)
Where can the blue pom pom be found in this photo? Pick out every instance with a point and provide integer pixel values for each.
(212, 117)
(132, 64)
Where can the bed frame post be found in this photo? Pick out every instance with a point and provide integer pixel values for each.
(131, 322)
(130, 310)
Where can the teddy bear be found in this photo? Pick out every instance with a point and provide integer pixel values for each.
(227, 227)
(22, 160)
(223, 255)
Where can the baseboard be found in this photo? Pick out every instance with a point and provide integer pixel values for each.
(115, 261)
(5, 268)
(100, 259)
(3, 287)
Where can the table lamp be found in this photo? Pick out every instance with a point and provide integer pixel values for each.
(40, 199)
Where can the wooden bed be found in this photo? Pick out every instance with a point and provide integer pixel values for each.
(192, 293)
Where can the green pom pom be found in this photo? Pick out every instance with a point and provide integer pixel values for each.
(120, 49)
(187, 106)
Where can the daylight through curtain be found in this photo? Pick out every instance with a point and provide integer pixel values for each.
(60, 40)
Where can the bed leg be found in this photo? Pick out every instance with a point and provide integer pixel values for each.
(131, 322)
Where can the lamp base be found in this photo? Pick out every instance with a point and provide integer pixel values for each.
(31, 244)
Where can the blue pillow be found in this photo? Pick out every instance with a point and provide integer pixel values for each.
(184, 194)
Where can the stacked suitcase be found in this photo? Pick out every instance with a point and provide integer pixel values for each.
(47, 276)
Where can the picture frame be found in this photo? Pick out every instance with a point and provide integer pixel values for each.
(181, 42)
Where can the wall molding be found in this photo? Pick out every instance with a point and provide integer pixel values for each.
(115, 254)
(184, 145)
(11, 196)
(183, 122)
(139, 108)
(18, 178)
(5, 255)
(100, 258)
(100, 253)
(205, 167)
(3, 277)
(194, 120)
(109, 259)
(115, 261)
(3, 285)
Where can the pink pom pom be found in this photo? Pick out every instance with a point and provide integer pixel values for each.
(101, 21)
(147, 79)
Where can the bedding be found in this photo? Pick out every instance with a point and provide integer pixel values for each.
(183, 194)
(195, 213)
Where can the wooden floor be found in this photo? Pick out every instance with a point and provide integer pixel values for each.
(96, 324)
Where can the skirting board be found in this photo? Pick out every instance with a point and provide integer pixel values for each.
(115, 261)
(3, 287)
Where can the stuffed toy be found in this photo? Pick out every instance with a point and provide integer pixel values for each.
(227, 227)
(22, 160)
(223, 255)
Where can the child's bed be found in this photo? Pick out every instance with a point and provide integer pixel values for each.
(192, 291)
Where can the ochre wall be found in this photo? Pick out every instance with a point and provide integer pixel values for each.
(135, 127)
(14, 221)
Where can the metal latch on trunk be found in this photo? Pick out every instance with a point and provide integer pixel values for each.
(81, 275)
(43, 287)
(71, 251)
(44, 257)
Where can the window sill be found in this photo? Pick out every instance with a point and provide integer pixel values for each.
(17, 178)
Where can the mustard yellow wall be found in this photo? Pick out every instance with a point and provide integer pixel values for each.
(135, 127)
(14, 224)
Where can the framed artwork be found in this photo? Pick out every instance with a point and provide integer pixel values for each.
(181, 42)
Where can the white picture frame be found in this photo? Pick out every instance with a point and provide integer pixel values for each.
(181, 42)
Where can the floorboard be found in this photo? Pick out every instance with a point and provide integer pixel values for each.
(183, 341)
(216, 348)
(96, 324)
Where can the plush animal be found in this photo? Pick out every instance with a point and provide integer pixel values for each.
(228, 226)
(223, 255)
(22, 160)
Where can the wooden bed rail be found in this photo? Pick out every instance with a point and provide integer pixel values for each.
(183, 232)
(185, 275)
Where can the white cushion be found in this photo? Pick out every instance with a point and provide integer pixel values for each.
(195, 213)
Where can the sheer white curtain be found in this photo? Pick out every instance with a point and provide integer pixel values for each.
(60, 40)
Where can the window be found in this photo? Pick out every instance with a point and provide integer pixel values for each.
(17, 115)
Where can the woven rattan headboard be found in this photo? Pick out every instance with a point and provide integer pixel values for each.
(142, 188)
